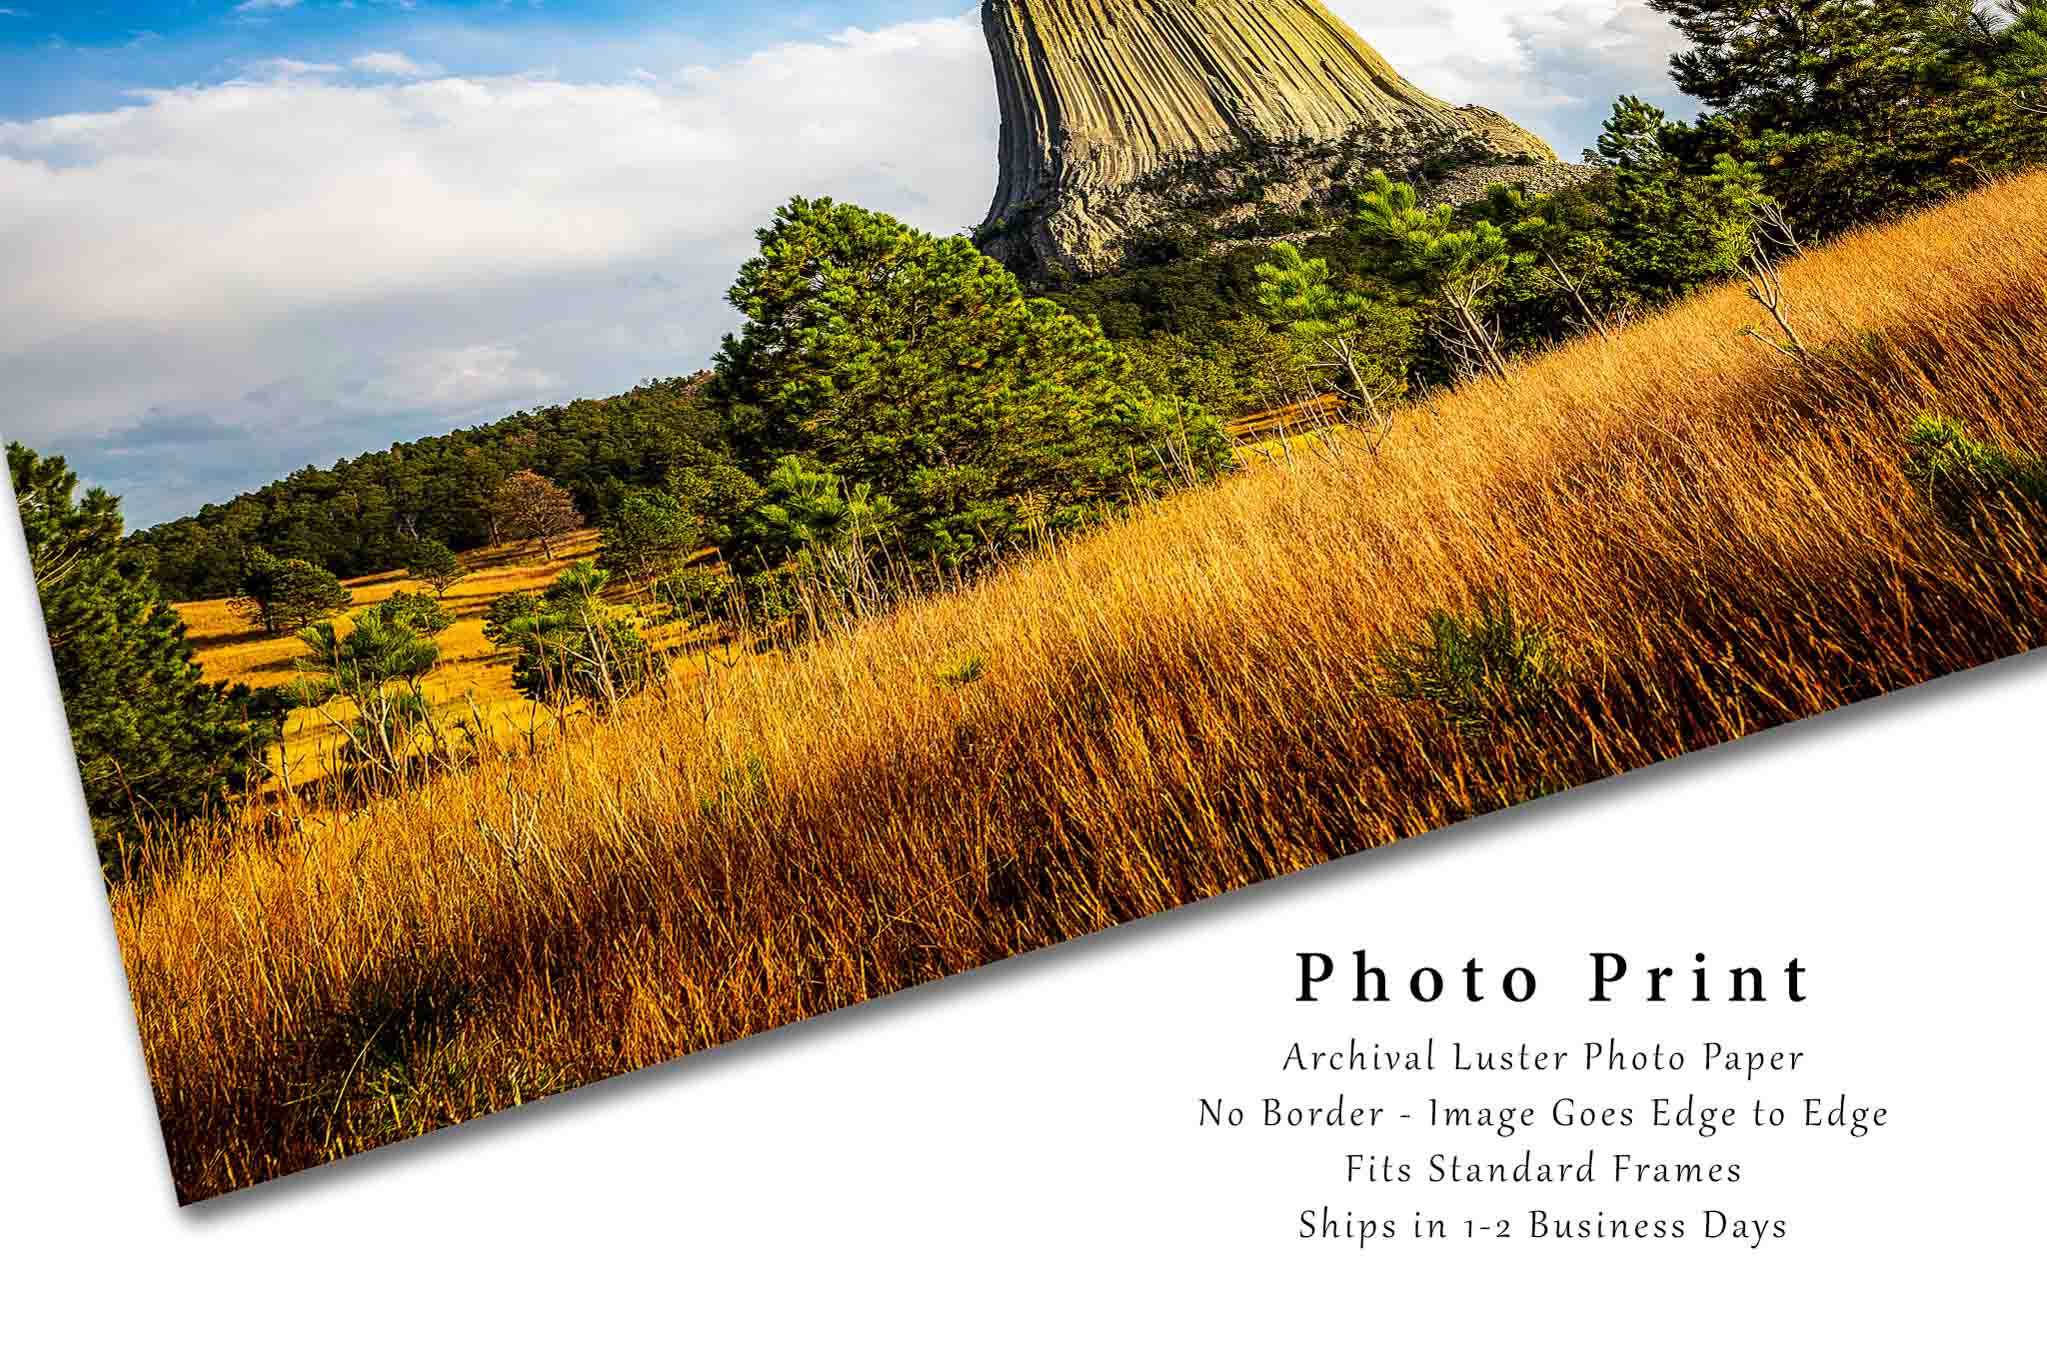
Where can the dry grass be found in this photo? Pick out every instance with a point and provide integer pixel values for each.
(1720, 538)
(471, 673)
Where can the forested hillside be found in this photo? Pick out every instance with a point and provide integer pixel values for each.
(362, 515)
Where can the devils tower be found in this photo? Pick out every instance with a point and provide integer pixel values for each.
(1125, 118)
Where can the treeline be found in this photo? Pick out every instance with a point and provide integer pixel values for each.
(894, 414)
(1008, 418)
(365, 515)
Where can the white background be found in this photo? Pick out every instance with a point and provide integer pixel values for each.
(1008, 1164)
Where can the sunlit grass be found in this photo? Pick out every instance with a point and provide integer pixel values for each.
(1699, 538)
(472, 683)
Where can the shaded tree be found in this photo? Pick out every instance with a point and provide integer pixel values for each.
(276, 593)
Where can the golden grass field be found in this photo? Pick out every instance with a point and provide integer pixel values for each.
(471, 670)
(1720, 537)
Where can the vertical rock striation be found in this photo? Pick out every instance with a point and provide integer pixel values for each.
(1123, 117)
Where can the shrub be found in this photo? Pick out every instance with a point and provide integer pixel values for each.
(417, 611)
(758, 601)
(434, 564)
(595, 655)
(1963, 476)
(741, 788)
(1480, 668)
(963, 671)
(504, 612)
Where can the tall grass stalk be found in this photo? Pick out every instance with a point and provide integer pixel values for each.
(1178, 706)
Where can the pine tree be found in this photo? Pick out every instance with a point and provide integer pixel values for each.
(1854, 109)
(276, 593)
(803, 511)
(913, 365)
(377, 665)
(2019, 57)
(1563, 239)
(435, 565)
(572, 645)
(1460, 266)
(505, 611)
(1670, 228)
(427, 615)
(157, 746)
(649, 534)
(1364, 342)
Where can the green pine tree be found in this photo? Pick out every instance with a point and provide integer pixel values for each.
(571, 645)
(157, 746)
(913, 365)
(1856, 109)
(427, 615)
(648, 535)
(1363, 342)
(1670, 228)
(435, 565)
(1460, 266)
(1570, 276)
(377, 666)
(276, 593)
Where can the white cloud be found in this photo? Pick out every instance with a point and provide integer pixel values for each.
(258, 6)
(330, 265)
(392, 64)
(1555, 65)
(286, 68)
(324, 264)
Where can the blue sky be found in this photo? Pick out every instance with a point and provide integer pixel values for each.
(57, 56)
(244, 236)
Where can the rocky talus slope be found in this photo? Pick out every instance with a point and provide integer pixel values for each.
(1122, 119)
